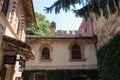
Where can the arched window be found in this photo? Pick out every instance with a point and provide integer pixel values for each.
(76, 52)
(45, 53)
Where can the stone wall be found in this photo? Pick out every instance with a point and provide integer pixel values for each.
(106, 28)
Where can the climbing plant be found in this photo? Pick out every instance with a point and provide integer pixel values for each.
(109, 59)
(62, 74)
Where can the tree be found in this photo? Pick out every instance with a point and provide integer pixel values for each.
(96, 6)
(41, 28)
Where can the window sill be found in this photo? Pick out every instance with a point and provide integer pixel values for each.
(45, 60)
(76, 60)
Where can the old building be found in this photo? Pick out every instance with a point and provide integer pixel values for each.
(14, 15)
(66, 57)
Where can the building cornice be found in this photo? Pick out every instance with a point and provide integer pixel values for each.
(34, 38)
(73, 67)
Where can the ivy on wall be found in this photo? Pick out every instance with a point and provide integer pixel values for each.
(109, 59)
(62, 74)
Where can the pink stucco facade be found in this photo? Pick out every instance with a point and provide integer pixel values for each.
(86, 28)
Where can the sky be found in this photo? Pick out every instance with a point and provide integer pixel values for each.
(64, 21)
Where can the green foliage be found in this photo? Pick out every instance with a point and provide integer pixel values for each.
(96, 6)
(64, 4)
(109, 59)
(62, 74)
(42, 27)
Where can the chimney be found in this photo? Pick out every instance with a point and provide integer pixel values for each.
(53, 28)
